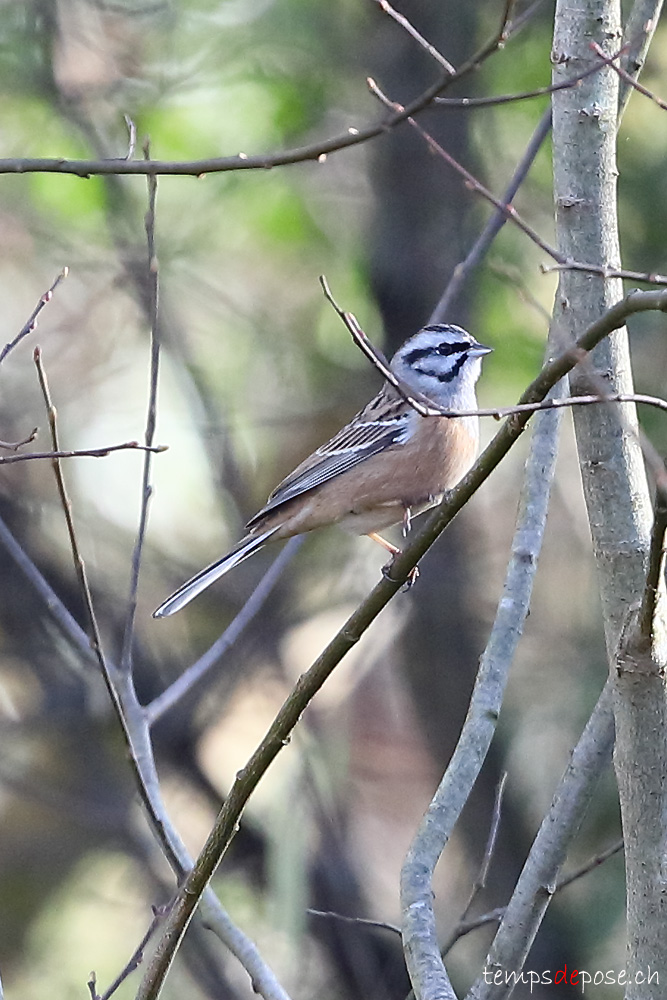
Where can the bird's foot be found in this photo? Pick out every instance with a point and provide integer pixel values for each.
(412, 575)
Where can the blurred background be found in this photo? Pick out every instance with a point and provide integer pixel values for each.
(257, 370)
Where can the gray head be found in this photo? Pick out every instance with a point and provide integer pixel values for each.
(443, 361)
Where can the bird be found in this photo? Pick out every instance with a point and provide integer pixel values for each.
(388, 463)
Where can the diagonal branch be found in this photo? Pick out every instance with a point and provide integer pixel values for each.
(32, 321)
(312, 680)
(495, 222)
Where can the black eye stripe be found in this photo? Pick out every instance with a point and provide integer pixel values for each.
(443, 350)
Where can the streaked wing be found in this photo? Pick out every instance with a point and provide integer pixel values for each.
(355, 443)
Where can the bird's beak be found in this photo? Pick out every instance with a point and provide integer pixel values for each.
(478, 351)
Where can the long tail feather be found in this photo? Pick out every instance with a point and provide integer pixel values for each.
(242, 550)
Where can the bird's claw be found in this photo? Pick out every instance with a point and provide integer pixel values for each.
(412, 575)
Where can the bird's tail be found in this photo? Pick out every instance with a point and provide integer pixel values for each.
(242, 550)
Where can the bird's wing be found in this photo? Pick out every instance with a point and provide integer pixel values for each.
(367, 434)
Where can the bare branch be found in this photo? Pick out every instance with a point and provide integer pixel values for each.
(463, 924)
(137, 956)
(362, 921)
(15, 445)
(421, 946)
(480, 881)
(32, 322)
(132, 137)
(537, 882)
(135, 731)
(495, 222)
(589, 865)
(412, 31)
(650, 278)
(523, 95)
(639, 30)
(508, 210)
(655, 571)
(627, 77)
(151, 416)
(77, 452)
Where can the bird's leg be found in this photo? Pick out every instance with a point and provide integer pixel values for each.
(395, 551)
(384, 543)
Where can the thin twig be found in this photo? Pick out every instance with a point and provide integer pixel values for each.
(522, 95)
(627, 77)
(194, 674)
(508, 210)
(312, 680)
(589, 865)
(493, 916)
(421, 403)
(494, 224)
(489, 851)
(132, 137)
(655, 571)
(79, 567)
(92, 987)
(467, 924)
(94, 636)
(362, 921)
(137, 956)
(650, 278)
(15, 445)
(151, 416)
(78, 453)
(480, 881)
(412, 31)
(32, 322)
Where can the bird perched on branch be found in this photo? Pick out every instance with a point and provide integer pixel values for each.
(388, 463)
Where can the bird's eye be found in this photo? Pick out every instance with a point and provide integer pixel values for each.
(445, 349)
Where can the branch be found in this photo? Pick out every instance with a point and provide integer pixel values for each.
(76, 453)
(463, 924)
(420, 941)
(242, 161)
(639, 30)
(151, 416)
(535, 888)
(627, 77)
(32, 322)
(471, 182)
(412, 31)
(494, 224)
(15, 445)
(655, 572)
(523, 95)
(136, 735)
(649, 277)
(312, 680)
